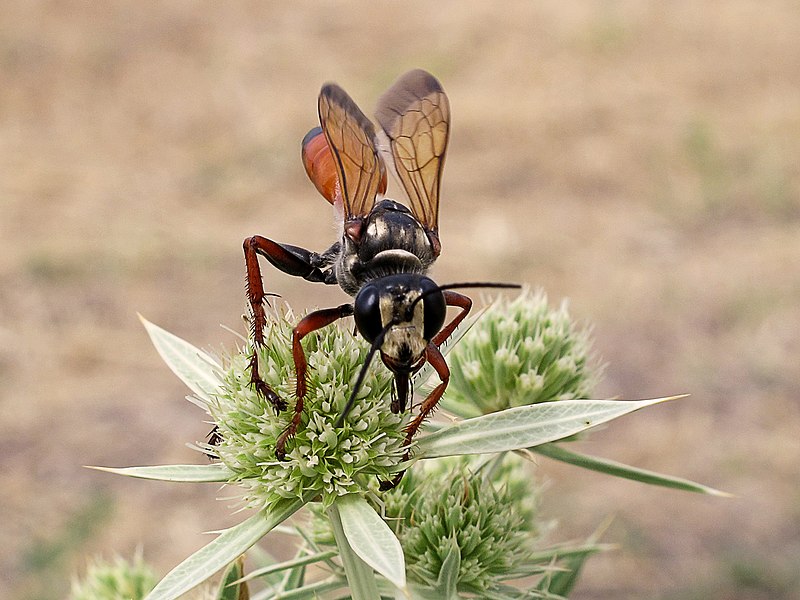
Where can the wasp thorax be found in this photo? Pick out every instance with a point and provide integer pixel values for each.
(392, 226)
(388, 241)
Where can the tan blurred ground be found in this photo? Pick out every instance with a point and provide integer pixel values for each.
(638, 158)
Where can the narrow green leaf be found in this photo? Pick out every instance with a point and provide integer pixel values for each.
(194, 367)
(360, 576)
(223, 550)
(290, 564)
(550, 555)
(294, 578)
(217, 587)
(560, 581)
(447, 582)
(312, 591)
(371, 539)
(232, 588)
(213, 473)
(616, 469)
(418, 592)
(525, 426)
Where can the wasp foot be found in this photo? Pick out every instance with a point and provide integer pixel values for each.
(280, 443)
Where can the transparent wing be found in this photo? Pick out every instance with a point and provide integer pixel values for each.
(415, 115)
(351, 138)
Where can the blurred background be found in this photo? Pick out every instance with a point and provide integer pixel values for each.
(637, 158)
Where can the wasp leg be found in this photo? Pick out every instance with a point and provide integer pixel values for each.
(433, 356)
(461, 301)
(312, 322)
(289, 259)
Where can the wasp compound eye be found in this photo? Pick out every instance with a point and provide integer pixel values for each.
(434, 306)
(367, 312)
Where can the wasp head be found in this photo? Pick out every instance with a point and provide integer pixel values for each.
(400, 314)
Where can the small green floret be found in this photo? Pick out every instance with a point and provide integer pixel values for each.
(484, 520)
(322, 460)
(520, 352)
(115, 580)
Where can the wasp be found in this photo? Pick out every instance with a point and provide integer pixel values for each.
(385, 248)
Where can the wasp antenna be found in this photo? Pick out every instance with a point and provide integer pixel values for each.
(451, 286)
(376, 344)
(480, 284)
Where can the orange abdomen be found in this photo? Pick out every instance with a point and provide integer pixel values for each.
(321, 167)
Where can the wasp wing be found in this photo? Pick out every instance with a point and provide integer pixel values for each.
(351, 139)
(415, 115)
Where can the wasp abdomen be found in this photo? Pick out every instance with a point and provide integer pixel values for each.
(321, 168)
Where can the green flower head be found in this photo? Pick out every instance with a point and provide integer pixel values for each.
(322, 460)
(455, 517)
(520, 352)
(471, 522)
(115, 580)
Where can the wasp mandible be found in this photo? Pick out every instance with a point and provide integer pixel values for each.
(386, 248)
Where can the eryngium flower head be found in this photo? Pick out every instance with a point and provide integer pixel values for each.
(520, 352)
(115, 580)
(487, 523)
(322, 460)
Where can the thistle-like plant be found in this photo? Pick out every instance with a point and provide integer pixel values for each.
(460, 528)
(322, 461)
(522, 352)
(116, 579)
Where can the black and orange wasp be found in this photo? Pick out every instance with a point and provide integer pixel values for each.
(386, 248)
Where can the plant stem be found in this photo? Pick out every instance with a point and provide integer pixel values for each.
(360, 576)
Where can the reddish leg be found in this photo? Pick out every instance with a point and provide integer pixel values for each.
(289, 259)
(312, 322)
(256, 296)
(433, 356)
(463, 302)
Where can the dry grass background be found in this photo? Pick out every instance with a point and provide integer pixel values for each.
(639, 158)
